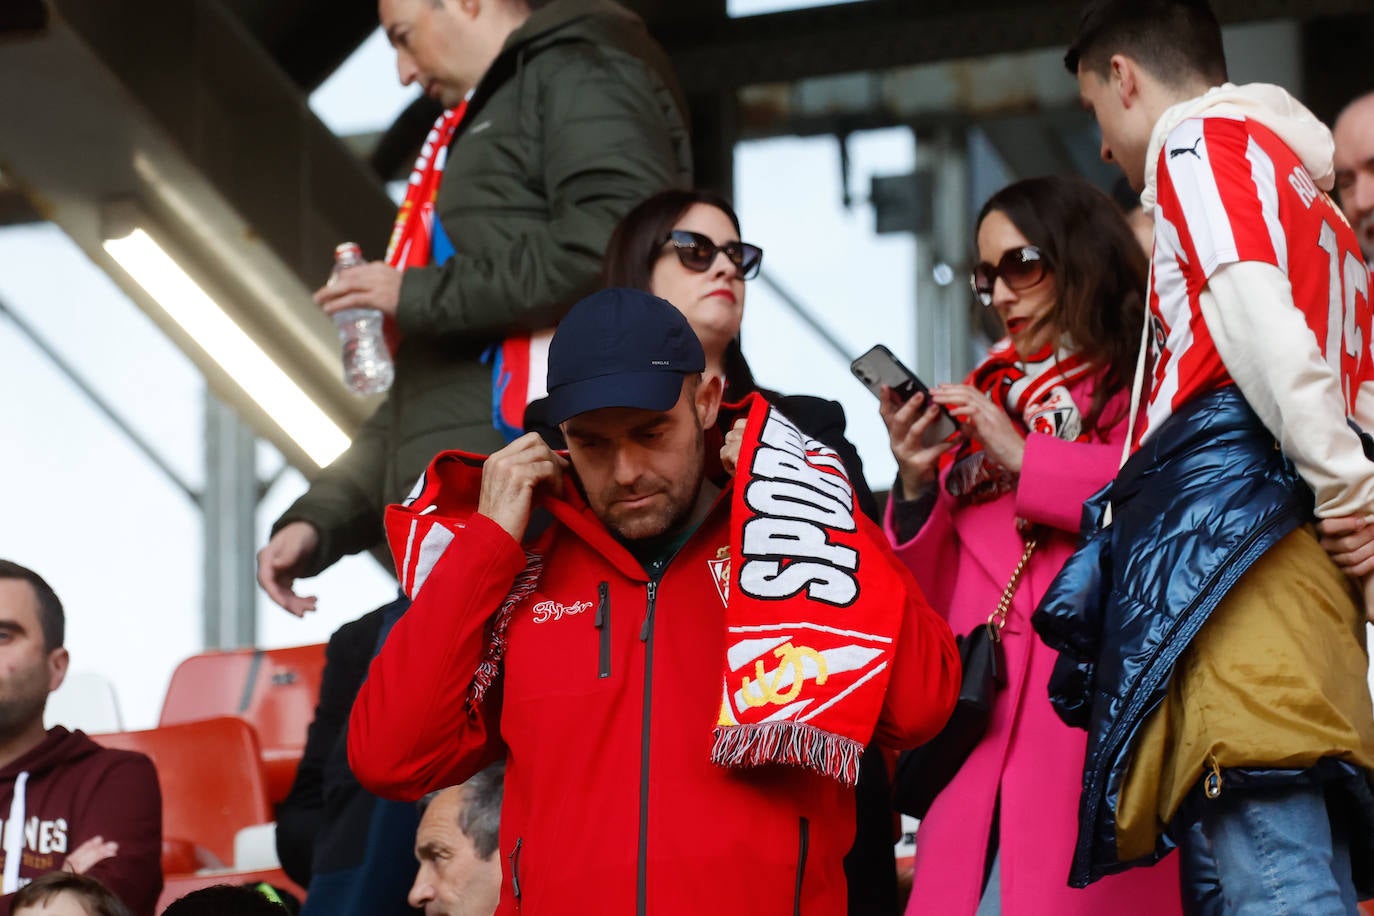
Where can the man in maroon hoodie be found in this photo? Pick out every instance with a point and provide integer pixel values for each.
(65, 801)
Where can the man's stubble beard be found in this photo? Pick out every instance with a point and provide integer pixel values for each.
(18, 712)
(676, 513)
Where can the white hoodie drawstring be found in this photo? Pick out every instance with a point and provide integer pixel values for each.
(14, 836)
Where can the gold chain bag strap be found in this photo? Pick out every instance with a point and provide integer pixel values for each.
(922, 773)
(997, 620)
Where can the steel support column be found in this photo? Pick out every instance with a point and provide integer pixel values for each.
(942, 325)
(229, 500)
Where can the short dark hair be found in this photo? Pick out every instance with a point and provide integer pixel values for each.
(50, 615)
(479, 817)
(96, 897)
(226, 900)
(1175, 40)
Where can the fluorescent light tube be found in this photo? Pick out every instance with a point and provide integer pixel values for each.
(227, 344)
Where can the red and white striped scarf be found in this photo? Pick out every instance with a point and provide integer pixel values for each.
(812, 613)
(412, 235)
(1034, 393)
(520, 361)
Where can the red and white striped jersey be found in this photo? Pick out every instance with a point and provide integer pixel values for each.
(1230, 191)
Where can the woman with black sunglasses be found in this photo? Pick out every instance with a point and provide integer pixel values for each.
(1042, 425)
(684, 246)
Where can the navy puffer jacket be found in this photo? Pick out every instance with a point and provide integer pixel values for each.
(1206, 496)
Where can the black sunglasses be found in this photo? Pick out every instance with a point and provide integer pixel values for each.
(1019, 268)
(697, 252)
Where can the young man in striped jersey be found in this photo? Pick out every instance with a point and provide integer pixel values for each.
(1211, 647)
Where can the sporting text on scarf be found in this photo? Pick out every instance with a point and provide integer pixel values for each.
(814, 612)
(798, 500)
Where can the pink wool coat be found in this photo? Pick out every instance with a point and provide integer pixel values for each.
(963, 557)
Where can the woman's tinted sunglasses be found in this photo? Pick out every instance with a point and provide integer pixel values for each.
(1019, 268)
(697, 252)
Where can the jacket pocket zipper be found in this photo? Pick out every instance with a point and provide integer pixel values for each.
(515, 870)
(803, 845)
(603, 623)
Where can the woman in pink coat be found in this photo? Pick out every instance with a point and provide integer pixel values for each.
(1042, 423)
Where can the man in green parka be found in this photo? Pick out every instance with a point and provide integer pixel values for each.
(573, 117)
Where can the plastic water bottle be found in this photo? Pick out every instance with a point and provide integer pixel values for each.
(366, 359)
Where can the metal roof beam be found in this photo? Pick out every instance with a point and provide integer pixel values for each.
(714, 54)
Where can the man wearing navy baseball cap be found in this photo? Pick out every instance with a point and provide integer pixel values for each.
(682, 660)
(625, 370)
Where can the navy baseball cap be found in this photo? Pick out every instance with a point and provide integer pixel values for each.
(620, 348)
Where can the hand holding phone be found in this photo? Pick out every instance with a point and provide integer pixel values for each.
(878, 368)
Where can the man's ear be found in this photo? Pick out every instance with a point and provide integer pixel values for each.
(709, 393)
(1125, 79)
(58, 659)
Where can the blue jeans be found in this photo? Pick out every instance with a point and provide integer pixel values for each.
(1275, 851)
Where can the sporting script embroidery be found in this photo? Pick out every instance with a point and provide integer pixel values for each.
(545, 611)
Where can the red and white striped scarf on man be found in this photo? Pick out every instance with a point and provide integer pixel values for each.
(813, 608)
(519, 361)
(412, 235)
(813, 600)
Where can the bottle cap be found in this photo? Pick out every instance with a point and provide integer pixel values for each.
(347, 252)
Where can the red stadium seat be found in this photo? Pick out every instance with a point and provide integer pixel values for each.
(275, 690)
(212, 785)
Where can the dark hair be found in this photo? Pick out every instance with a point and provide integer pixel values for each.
(1175, 40)
(226, 900)
(50, 616)
(1098, 268)
(636, 245)
(479, 818)
(638, 239)
(96, 897)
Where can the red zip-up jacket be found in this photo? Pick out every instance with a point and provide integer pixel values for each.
(605, 710)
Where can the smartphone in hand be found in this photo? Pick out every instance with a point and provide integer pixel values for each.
(878, 367)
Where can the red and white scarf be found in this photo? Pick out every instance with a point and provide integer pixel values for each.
(812, 614)
(519, 363)
(412, 235)
(1034, 393)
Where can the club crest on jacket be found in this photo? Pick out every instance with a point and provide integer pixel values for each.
(720, 574)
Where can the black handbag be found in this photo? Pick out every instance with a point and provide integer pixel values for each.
(923, 772)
